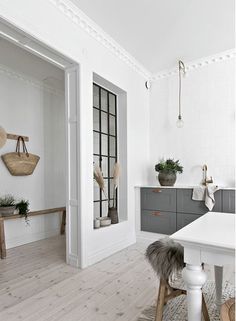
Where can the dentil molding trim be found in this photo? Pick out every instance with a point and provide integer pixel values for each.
(72, 12)
(196, 64)
(77, 16)
(5, 70)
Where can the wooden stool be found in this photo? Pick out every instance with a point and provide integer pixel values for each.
(166, 293)
(166, 258)
(227, 311)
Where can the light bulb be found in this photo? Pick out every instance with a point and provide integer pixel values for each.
(180, 122)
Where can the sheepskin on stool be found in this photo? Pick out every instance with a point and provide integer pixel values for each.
(167, 259)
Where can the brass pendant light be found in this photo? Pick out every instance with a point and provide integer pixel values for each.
(182, 70)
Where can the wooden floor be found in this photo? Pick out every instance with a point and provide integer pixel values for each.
(37, 285)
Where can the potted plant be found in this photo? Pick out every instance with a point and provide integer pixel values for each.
(23, 208)
(7, 205)
(167, 171)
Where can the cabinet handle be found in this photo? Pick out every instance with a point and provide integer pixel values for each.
(157, 190)
(156, 213)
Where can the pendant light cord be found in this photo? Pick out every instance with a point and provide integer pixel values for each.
(181, 69)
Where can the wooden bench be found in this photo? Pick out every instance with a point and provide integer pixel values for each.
(34, 213)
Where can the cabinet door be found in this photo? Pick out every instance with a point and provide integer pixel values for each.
(228, 204)
(158, 222)
(185, 204)
(184, 219)
(158, 199)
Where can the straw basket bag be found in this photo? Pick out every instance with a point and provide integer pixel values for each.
(20, 163)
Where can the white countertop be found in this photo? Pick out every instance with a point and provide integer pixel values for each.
(180, 186)
(212, 229)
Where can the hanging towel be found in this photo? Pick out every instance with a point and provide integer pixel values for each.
(198, 193)
(205, 193)
(209, 196)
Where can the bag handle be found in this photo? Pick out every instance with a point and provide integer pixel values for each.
(21, 139)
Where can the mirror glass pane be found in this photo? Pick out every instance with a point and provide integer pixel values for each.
(96, 160)
(96, 209)
(105, 166)
(95, 119)
(112, 108)
(104, 124)
(104, 195)
(112, 146)
(96, 191)
(104, 208)
(112, 124)
(111, 189)
(96, 143)
(104, 139)
(112, 163)
(95, 96)
(103, 100)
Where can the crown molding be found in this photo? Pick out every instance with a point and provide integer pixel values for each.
(196, 64)
(79, 18)
(5, 70)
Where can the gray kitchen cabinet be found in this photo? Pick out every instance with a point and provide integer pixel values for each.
(166, 210)
(184, 219)
(158, 221)
(185, 204)
(228, 201)
(158, 199)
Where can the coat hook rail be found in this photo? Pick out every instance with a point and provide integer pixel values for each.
(15, 137)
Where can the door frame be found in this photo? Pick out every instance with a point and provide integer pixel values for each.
(73, 217)
(71, 70)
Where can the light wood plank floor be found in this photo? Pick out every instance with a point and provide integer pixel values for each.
(37, 285)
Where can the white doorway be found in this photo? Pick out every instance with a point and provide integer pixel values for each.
(70, 132)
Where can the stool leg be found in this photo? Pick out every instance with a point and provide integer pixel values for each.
(63, 222)
(204, 309)
(2, 240)
(160, 300)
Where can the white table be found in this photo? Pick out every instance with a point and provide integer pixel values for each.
(210, 239)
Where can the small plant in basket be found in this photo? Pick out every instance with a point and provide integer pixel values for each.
(7, 205)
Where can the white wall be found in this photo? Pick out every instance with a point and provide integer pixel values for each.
(29, 109)
(54, 150)
(208, 135)
(70, 37)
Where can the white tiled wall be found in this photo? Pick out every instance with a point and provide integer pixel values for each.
(208, 135)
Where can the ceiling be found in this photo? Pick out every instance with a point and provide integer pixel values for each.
(159, 32)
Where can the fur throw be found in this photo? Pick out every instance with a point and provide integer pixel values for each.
(166, 257)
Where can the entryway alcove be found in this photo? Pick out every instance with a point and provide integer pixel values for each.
(39, 99)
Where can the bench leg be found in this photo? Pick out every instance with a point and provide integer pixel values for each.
(2, 240)
(63, 222)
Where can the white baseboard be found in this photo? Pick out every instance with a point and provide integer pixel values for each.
(109, 250)
(73, 260)
(148, 236)
(29, 238)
